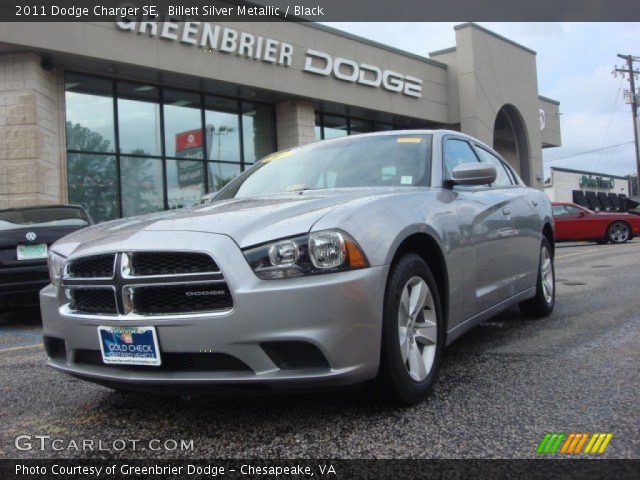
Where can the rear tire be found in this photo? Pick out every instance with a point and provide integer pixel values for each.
(542, 304)
(413, 332)
(619, 232)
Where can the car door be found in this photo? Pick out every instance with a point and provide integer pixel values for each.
(524, 242)
(486, 227)
(571, 222)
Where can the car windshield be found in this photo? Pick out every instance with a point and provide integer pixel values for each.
(43, 217)
(370, 161)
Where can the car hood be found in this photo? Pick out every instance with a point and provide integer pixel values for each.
(248, 221)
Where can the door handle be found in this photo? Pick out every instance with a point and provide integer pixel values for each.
(535, 203)
(506, 211)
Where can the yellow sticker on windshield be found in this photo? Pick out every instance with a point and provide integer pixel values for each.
(277, 156)
(409, 140)
(295, 187)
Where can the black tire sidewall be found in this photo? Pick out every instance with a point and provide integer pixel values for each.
(393, 372)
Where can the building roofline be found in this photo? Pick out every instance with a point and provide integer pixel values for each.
(373, 43)
(351, 36)
(586, 172)
(494, 34)
(442, 51)
(547, 99)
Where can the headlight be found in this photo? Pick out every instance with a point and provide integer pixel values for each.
(319, 252)
(56, 264)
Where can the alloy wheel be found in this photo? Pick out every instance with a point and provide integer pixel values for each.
(546, 274)
(619, 232)
(417, 328)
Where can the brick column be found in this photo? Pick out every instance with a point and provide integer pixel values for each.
(295, 123)
(32, 143)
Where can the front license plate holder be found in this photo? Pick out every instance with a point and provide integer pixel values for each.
(129, 346)
(31, 252)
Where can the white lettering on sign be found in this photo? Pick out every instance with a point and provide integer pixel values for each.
(211, 37)
(322, 63)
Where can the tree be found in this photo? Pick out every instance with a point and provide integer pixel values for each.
(93, 177)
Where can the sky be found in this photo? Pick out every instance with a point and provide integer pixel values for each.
(575, 61)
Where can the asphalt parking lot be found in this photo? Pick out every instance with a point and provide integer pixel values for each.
(501, 388)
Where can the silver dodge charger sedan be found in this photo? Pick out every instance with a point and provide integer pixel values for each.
(344, 261)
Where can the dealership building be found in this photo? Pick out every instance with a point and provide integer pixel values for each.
(589, 189)
(133, 117)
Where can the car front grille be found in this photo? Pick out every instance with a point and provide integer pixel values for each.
(93, 300)
(171, 263)
(94, 266)
(145, 283)
(176, 299)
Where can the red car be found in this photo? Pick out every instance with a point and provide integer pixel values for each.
(574, 222)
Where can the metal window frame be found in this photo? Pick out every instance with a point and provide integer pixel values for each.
(163, 157)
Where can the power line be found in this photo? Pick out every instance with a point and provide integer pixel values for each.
(613, 111)
(587, 152)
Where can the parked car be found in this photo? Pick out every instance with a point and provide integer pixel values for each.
(574, 223)
(330, 264)
(25, 236)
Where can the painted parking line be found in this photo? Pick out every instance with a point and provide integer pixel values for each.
(23, 347)
(16, 332)
(579, 253)
(596, 250)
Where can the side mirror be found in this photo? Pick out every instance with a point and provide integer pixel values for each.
(475, 173)
(581, 214)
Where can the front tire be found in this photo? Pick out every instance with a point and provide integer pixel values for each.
(413, 332)
(618, 232)
(542, 304)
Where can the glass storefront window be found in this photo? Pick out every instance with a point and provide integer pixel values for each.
(257, 131)
(185, 182)
(335, 127)
(93, 183)
(360, 126)
(183, 125)
(155, 137)
(382, 127)
(141, 183)
(139, 119)
(222, 127)
(221, 173)
(89, 124)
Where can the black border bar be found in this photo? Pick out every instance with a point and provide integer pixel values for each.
(323, 10)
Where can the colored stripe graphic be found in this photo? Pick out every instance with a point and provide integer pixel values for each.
(598, 443)
(572, 443)
(550, 443)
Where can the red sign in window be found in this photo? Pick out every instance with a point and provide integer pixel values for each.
(188, 140)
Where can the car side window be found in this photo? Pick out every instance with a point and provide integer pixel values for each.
(571, 210)
(457, 152)
(502, 177)
(564, 210)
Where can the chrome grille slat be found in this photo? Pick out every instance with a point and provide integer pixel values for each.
(194, 289)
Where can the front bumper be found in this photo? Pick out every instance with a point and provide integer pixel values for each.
(19, 286)
(340, 314)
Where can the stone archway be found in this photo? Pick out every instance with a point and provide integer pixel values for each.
(510, 140)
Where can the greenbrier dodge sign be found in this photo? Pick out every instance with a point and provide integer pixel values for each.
(209, 36)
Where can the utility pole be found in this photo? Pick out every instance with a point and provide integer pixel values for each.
(634, 97)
